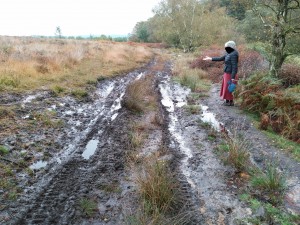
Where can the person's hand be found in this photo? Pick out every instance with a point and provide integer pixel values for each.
(207, 58)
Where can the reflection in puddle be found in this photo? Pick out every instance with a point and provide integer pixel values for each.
(90, 149)
(38, 165)
(208, 117)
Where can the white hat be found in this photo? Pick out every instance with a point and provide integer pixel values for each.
(230, 44)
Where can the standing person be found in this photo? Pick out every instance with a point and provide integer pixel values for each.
(230, 59)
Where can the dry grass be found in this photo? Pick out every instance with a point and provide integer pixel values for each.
(195, 79)
(140, 96)
(32, 63)
(157, 187)
(238, 151)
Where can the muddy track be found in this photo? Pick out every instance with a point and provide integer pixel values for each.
(73, 175)
(91, 162)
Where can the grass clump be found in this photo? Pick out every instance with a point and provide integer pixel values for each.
(88, 206)
(58, 90)
(79, 93)
(140, 96)
(238, 152)
(3, 150)
(157, 188)
(193, 109)
(271, 183)
(268, 213)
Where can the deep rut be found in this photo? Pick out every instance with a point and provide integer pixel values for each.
(55, 199)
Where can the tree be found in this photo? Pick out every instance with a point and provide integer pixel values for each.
(236, 8)
(282, 19)
(58, 32)
(140, 31)
(179, 16)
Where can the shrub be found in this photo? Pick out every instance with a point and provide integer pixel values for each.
(250, 61)
(214, 69)
(290, 74)
(264, 95)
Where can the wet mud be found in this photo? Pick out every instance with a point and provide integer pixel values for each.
(84, 162)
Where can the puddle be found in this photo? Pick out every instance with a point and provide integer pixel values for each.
(139, 76)
(106, 90)
(208, 117)
(166, 92)
(38, 165)
(29, 98)
(116, 106)
(90, 149)
(166, 100)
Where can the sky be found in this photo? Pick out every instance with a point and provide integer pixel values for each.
(74, 17)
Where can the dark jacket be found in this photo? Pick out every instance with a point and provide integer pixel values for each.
(231, 62)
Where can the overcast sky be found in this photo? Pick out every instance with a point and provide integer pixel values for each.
(74, 17)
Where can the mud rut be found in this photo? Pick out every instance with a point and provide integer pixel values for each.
(100, 129)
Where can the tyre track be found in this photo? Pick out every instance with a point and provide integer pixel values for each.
(55, 198)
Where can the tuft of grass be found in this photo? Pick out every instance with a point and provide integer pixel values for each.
(136, 139)
(58, 90)
(88, 206)
(193, 109)
(140, 96)
(238, 154)
(3, 150)
(47, 119)
(79, 93)
(272, 215)
(271, 183)
(111, 188)
(157, 188)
